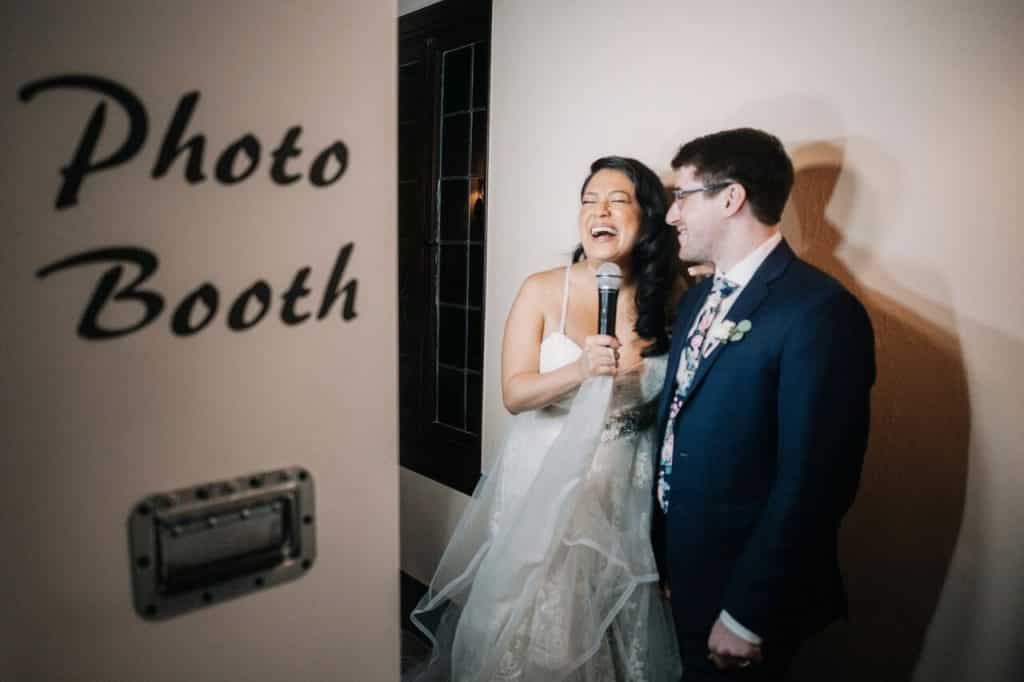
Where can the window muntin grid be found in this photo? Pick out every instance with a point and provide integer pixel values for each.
(459, 238)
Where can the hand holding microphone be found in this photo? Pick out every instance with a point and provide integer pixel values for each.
(600, 352)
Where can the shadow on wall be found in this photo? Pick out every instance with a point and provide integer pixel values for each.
(897, 541)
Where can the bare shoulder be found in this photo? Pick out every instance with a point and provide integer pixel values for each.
(539, 301)
(543, 287)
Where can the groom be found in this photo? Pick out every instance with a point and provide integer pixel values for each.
(763, 420)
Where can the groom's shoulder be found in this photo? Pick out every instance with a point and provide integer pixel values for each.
(813, 287)
(806, 277)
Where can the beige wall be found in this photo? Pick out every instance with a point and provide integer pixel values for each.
(90, 427)
(903, 123)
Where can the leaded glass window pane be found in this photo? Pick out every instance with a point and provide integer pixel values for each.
(459, 236)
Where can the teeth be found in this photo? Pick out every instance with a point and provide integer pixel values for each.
(599, 231)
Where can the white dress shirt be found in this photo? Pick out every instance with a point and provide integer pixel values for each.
(740, 275)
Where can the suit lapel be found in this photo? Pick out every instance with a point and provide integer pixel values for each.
(685, 315)
(750, 299)
(700, 295)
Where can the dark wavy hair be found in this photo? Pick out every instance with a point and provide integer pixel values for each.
(655, 265)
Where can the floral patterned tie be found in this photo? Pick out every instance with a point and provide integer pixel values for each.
(689, 360)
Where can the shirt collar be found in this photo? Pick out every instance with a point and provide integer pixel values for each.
(741, 273)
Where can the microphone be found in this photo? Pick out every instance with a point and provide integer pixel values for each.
(609, 278)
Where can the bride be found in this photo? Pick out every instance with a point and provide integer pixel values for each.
(550, 574)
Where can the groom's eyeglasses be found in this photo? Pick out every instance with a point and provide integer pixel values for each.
(680, 194)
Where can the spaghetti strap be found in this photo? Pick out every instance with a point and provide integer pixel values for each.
(565, 300)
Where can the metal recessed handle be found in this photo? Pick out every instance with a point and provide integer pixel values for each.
(221, 540)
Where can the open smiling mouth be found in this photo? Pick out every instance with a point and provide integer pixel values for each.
(603, 233)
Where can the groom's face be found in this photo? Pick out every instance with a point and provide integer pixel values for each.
(696, 218)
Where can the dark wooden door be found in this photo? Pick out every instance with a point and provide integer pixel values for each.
(444, 65)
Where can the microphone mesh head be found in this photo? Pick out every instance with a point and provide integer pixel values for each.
(609, 276)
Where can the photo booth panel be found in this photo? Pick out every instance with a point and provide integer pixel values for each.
(199, 430)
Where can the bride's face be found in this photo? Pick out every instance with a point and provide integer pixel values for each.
(609, 217)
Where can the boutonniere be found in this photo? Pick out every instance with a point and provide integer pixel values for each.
(727, 331)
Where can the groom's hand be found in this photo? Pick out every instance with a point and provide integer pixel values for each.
(728, 650)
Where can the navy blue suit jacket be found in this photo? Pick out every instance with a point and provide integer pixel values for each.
(768, 452)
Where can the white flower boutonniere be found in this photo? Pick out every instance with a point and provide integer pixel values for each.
(721, 330)
(727, 331)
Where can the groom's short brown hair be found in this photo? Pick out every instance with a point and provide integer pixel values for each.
(753, 158)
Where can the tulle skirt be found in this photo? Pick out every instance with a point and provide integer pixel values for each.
(550, 574)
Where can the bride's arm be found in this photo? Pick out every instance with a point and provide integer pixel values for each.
(523, 387)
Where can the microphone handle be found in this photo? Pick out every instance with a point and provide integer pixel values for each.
(606, 302)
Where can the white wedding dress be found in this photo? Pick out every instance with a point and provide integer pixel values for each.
(550, 574)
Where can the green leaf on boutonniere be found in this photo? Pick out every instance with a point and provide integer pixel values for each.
(731, 332)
